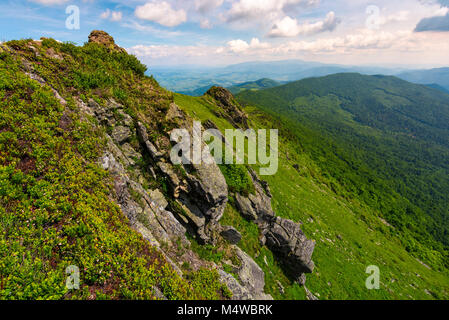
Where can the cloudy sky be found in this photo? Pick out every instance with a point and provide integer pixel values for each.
(217, 32)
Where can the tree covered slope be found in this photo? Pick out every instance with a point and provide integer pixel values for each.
(349, 234)
(380, 140)
(254, 85)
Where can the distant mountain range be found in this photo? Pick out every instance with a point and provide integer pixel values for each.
(435, 77)
(255, 85)
(196, 80)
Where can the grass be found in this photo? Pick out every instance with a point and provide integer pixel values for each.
(350, 236)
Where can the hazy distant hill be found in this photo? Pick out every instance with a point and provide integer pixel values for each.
(195, 80)
(438, 87)
(438, 76)
(255, 85)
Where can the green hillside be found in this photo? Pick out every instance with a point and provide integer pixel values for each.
(254, 85)
(58, 206)
(350, 235)
(377, 139)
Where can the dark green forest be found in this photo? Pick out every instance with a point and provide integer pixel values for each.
(379, 139)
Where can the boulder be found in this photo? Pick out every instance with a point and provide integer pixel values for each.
(230, 108)
(245, 207)
(239, 292)
(143, 135)
(283, 237)
(251, 276)
(120, 134)
(104, 39)
(286, 239)
(158, 198)
(231, 235)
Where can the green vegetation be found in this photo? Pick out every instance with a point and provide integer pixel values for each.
(55, 205)
(254, 85)
(237, 179)
(350, 234)
(378, 139)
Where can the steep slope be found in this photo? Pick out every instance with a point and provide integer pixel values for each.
(76, 191)
(350, 236)
(82, 140)
(382, 140)
(92, 207)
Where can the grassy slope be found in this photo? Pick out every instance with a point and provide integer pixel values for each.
(365, 239)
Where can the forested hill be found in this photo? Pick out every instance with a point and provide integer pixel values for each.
(385, 140)
(254, 85)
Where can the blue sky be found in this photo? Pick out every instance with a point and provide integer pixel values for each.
(217, 32)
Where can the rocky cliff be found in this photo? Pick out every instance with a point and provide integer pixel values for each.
(175, 208)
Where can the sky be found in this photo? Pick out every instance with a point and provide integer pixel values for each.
(409, 33)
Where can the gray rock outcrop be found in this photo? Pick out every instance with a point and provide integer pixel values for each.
(283, 237)
(231, 235)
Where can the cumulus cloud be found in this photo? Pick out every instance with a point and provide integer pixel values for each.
(397, 17)
(161, 13)
(289, 27)
(244, 10)
(239, 46)
(112, 15)
(439, 21)
(362, 40)
(436, 23)
(116, 16)
(205, 6)
(105, 14)
(50, 2)
(205, 24)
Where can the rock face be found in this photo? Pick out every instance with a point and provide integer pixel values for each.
(103, 38)
(286, 239)
(231, 235)
(283, 237)
(149, 190)
(229, 107)
(200, 191)
(251, 279)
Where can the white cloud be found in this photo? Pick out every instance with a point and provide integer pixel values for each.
(50, 2)
(261, 9)
(397, 17)
(174, 52)
(116, 16)
(162, 13)
(441, 12)
(205, 24)
(113, 15)
(105, 14)
(363, 39)
(239, 46)
(289, 27)
(205, 6)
